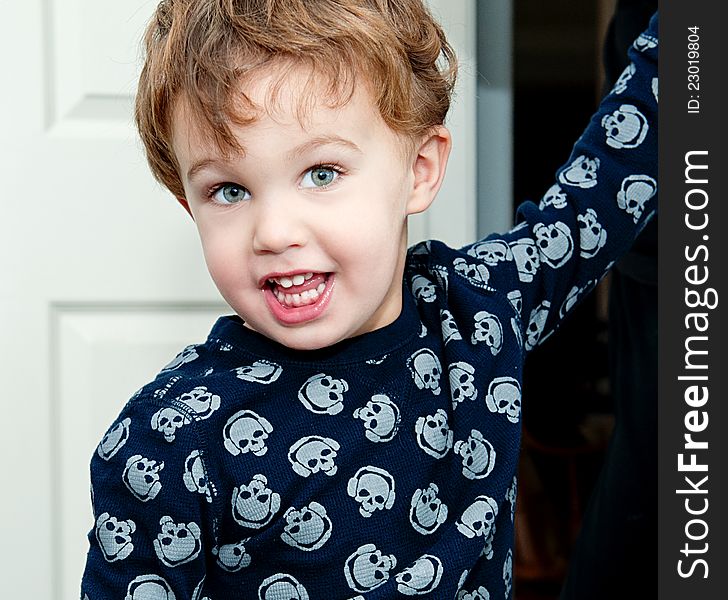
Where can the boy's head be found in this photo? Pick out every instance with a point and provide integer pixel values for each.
(299, 134)
(204, 50)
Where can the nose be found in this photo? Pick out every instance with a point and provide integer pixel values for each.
(279, 225)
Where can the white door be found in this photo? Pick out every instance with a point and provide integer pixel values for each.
(102, 280)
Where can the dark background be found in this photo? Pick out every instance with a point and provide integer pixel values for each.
(575, 510)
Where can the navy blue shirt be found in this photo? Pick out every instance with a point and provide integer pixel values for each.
(383, 466)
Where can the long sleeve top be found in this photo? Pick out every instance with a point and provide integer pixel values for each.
(383, 466)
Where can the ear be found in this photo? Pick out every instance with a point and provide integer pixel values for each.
(428, 168)
(186, 206)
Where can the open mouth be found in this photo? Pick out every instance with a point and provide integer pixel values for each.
(302, 289)
(298, 298)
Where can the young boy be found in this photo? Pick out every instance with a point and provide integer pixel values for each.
(353, 432)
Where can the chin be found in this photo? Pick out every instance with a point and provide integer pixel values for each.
(304, 345)
(306, 338)
(301, 337)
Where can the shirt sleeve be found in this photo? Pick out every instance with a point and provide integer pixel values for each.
(602, 198)
(152, 504)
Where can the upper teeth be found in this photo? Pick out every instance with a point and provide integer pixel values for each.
(287, 282)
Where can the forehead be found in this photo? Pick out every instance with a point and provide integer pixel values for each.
(280, 106)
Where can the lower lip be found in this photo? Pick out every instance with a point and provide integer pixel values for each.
(295, 315)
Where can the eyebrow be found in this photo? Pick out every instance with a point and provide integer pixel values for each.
(308, 145)
(200, 165)
(323, 140)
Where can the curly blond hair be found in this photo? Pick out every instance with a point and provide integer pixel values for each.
(203, 51)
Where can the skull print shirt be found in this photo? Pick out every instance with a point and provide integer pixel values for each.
(383, 466)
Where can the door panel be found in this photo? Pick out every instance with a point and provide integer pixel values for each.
(100, 356)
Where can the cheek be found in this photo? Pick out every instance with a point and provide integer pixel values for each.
(374, 242)
(215, 260)
(224, 256)
(378, 218)
(379, 233)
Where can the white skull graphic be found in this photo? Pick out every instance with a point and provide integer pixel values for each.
(114, 439)
(626, 127)
(440, 276)
(427, 511)
(426, 370)
(574, 296)
(516, 299)
(282, 586)
(373, 489)
(195, 475)
(177, 543)
(314, 454)
(621, 84)
(462, 382)
(200, 401)
(367, 568)
(504, 397)
(421, 577)
(644, 42)
(554, 196)
(488, 329)
(261, 371)
(254, 504)
(323, 394)
(478, 455)
(114, 537)
(508, 572)
(433, 434)
(592, 236)
(423, 289)
(480, 594)
(536, 324)
(511, 496)
(478, 520)
(168, 420)
(582, 172)
(526, 258)
(554, 242)
(188, 354)
(246, 431)
(149, 587)
(635, 191)
(141, 477)
(306, 529)
(491, 252)
(449, 327)
(232, 557)
(381, 418)
(475, 273)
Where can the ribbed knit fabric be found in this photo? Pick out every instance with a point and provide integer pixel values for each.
(383, 466)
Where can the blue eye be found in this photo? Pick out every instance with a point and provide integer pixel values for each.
(320, 177)
(230, 193)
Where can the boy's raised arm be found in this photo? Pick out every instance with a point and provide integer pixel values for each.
(601, 199)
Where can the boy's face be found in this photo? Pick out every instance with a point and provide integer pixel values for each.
(304, 232)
